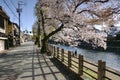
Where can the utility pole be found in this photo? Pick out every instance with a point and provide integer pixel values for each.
(19, 10)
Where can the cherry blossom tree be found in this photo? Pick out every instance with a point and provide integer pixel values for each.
(54, 15)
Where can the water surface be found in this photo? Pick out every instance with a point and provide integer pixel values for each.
(112, 59)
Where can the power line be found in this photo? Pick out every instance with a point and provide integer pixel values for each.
(13, 4)
(10, 8)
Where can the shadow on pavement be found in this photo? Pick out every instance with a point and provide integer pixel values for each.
(16, 62)
(52, 67)
(64, 70)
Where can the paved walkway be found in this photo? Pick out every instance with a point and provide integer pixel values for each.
(26, 63)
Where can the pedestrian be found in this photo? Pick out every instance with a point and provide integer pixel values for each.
(75, 52)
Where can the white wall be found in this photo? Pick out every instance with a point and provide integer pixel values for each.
(2, 46)
(2, 30)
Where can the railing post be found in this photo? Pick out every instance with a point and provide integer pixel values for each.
(69, 58)
(54, 52)
(62, 55)
(50, 48)
(101, 70)
(47, 48)
(80, 64)
(58, 52)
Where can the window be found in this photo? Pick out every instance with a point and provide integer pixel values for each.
(1, 22)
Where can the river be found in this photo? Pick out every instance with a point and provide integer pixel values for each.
(112, 59)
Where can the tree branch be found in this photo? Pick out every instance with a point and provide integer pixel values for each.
(116, 10)
(54, 32)
(101, 1)
(89, 11)
(76, 6)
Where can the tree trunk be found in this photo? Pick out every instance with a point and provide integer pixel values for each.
(44, 46)
(36, 40)
(45, 39)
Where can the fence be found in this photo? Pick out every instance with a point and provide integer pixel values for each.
(83, 67)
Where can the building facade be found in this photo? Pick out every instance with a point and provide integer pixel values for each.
(16, 34)
(9, 33)
(12, 32)
(4, 18)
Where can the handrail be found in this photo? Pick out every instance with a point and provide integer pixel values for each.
(107, 78)
(112, 72)
(90, 75)
(91, 63)
(90, 69)
(74, 61)
(74, 65)
(71, 62)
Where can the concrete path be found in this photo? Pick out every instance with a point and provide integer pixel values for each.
(26, 63)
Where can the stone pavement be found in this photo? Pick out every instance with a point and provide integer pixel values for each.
(26, 63)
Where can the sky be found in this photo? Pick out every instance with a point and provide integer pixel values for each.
(27, 15)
